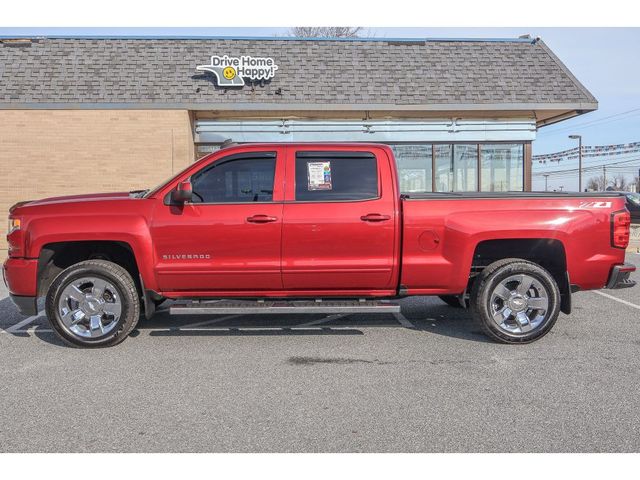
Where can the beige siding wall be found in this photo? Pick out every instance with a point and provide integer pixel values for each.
(45, 153)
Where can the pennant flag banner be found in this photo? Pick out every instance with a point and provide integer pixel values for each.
(587, 151)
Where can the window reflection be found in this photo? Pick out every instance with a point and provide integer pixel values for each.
(454, 167)
(444, 167)
(414, 167)
(502, 167)
(465, 168)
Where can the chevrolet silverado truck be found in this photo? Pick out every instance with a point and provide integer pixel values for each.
(306, 228)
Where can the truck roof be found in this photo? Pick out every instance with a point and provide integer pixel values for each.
(359, 145)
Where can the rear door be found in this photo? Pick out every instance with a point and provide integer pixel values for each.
(340, 225)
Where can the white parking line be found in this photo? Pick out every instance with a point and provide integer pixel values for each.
(403, 320)
(34, 329)
(321, 320)
(26, 321)
(208, 322)
(629, 304)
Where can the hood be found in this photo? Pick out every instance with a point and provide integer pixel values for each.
(90, 197)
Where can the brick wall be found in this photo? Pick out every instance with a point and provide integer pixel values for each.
(45, 153)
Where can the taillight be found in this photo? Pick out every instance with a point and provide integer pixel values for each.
(620, 227)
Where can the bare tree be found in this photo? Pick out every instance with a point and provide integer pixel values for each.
(597, 184)
(620, 183)
(321, 32)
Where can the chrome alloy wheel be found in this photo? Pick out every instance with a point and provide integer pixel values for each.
(89, 307)
(519, 304)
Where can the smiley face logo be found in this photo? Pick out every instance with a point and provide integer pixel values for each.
(229, 73)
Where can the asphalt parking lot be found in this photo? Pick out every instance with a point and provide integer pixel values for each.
(428, 382)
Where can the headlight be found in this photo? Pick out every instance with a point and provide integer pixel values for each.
(14, 224)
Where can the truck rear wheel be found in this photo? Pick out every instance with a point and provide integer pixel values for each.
(93, 304)
(515, 301)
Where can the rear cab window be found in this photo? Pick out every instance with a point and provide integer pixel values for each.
(324, 176)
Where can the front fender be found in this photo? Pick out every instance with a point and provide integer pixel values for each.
(132, 230)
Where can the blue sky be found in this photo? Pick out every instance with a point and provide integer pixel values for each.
(605, 60)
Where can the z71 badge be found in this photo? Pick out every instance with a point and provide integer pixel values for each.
(595, 205)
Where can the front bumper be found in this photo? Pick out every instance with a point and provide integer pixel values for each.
(20, 277)
(619, 277)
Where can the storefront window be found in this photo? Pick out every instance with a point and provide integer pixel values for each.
(456, 166)
(502, 167)
(465, 168)
(443, 156)
(414, 167)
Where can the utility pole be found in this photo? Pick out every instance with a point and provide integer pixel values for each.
(546, 177)
(579, 138)
(604, 174)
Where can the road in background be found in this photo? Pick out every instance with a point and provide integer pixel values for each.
(355, 383)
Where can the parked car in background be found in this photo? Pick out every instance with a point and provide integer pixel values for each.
(310, 228)
(633, 205)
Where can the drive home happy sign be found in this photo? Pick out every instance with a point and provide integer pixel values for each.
(231, 71)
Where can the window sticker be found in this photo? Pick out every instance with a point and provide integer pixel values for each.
(319, 176)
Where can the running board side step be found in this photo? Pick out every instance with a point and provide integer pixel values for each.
(266, 307)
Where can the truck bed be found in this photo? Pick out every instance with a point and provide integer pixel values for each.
(452, 233)
(498, 195)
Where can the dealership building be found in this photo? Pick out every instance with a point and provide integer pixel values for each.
(100, 114)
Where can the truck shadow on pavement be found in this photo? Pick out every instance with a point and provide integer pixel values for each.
(420, 315)
(423, 315)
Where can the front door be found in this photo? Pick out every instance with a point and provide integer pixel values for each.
(228, 237)
(339, 230)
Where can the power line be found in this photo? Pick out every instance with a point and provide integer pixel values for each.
(593, 172)
(592, 122)
(588, 168)
(590, 125)
(569, 173)
(589, 151)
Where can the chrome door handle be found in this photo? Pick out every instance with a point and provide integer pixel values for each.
(375, 217)
(261, 219)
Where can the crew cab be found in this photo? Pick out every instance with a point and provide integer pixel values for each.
(306, 228)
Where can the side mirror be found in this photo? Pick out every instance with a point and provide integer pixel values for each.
(183, 192)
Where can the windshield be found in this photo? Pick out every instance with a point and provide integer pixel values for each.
(153, 191)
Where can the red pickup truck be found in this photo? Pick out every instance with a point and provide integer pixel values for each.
(278, 228)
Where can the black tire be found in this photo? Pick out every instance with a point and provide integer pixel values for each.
(451, 300)
(125, 288)
(489, 281)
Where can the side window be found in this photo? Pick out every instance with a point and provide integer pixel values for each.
(236, 180)
(335, 176)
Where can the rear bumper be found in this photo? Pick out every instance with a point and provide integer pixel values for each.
(619, 277)
(20, 277)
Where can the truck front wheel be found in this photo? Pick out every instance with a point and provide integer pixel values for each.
(93, 304)
(515, 301)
